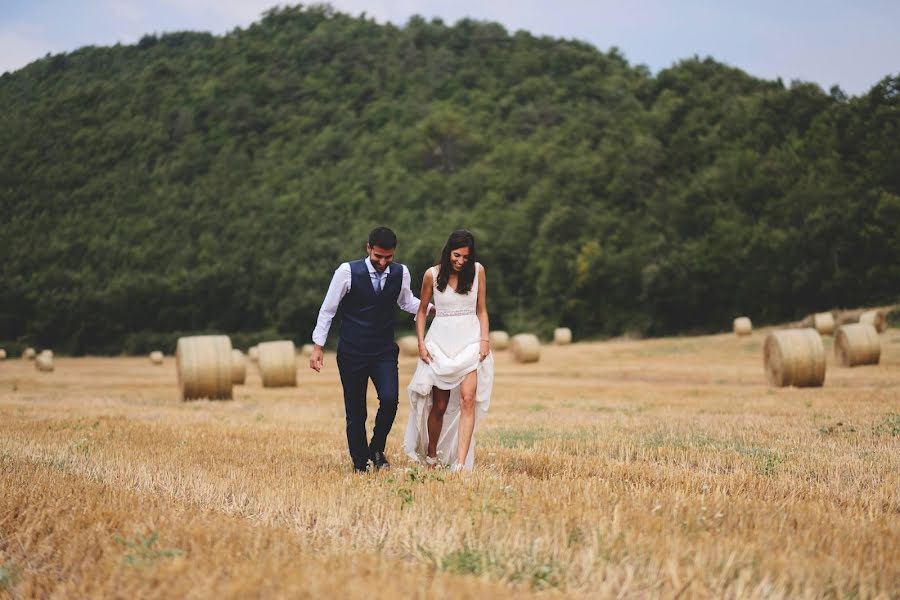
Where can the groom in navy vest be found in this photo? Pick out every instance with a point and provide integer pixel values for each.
(364, 292)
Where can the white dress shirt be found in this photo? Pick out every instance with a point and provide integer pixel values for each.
(340, 285)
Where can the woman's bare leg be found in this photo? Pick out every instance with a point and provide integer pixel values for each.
(440, 399)
(467, 391)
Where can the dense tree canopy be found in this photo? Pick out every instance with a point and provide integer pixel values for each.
(200, 183)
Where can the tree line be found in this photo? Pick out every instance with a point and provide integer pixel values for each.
(193, 182)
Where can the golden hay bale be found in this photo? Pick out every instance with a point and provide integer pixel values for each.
(2, 354)
(525, 347)
(28, 354)
(203, 363)
(794, 357)
(238, 367)
(499, 340)
(278, 363)
(409, 345)
(156, 357)
(253, 353)
(44, 361)
(875, 318)
(823, 322)
(307, 349)
(857, 344)
(562, 336)
(742, 326)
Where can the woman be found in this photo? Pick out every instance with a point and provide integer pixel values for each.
(451, 388)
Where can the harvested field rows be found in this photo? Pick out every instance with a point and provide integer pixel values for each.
(624, 468)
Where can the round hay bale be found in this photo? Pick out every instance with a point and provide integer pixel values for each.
(238, 367)
(409, 345)
(253, 353)
(156, 357)
(499, 340)
(794, 357)
(823, 322)
(875, 318)
(307, 349)
(848, 316)
(28, 354)
(525, 347)
(2, 354)
(203, 363)
(742, 326)
(278, 364)
(857, 344)
(562, 336)
(44, 361)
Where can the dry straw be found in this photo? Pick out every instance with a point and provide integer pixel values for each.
(525, 347)
(44, 361)
(742, 326)
(253, 353)
(278, 363)
(875, 318)
(156, 357)
(794, 357)
(562, 336)
(857, 344)
(409, 345)
(29, 354)
(238, 367)
(499, 340)
(204, 367)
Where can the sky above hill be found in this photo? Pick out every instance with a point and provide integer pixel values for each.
(829, 42)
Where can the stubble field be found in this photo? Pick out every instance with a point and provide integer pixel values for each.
(655, 468)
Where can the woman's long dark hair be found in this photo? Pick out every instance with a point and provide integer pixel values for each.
(461, 238)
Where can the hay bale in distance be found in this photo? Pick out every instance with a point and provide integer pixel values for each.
(562, 336)
(742, 326)
(44, 361)
(203, 363)
(823, 322)
(409, 345)
(857, 344)
(156, 357)
(499, 340)
(875, 318)
(794, 357)
(28, 354)
(525, 347)
(848, 316)
(278, 363)
(253, 353)
(2, 354)
(238, 367)
(307, 349)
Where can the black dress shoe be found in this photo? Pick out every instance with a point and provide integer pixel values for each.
(380, 460)
(363, 470)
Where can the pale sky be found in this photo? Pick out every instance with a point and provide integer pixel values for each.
(853, 44)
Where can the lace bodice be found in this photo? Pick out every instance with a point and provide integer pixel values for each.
(450, 304)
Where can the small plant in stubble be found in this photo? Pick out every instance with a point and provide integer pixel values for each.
(9, 574)
(889, 426)
(142, 550)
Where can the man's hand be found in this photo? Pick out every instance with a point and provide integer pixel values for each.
(316, 359)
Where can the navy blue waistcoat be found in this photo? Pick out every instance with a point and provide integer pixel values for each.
(367, 318)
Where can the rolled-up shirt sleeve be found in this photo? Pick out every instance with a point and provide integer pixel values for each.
(407, 301)
(340, 285)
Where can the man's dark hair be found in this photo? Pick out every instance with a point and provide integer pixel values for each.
(383, 238)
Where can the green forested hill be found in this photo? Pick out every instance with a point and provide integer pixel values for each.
(201, 183)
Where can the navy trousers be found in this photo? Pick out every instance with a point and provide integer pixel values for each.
(355, 374)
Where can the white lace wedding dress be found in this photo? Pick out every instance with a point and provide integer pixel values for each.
(454, 342)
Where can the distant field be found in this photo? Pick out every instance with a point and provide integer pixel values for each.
(620, 469)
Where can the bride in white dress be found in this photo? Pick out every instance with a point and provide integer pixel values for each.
(451, 388)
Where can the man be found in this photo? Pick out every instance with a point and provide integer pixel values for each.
(364, 292)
